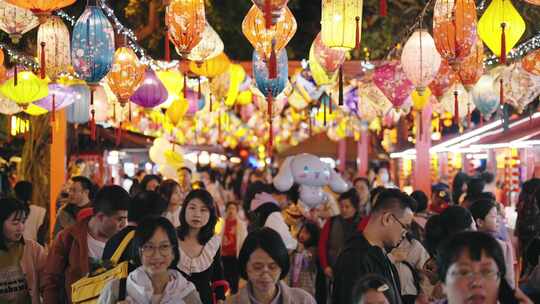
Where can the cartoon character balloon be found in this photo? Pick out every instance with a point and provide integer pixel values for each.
(312, 175)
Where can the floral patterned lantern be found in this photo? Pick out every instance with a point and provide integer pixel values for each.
(458, 101)
(16, 21)
(330, 59)
(472, 66)
(531, 62)
(454, 28)
(485, 96)
(42, 7)
(372, 102)
(392, 81)
(319, 74)
(29, 88)
(341, 23)
(420, 60)
(151, 92)
(520, 86)
(126, 74)
(209, 47)
(272, 9)
(445, 78)
(501, 27)
(260, 71)
(78, 112)
(186, 20)
(53, 38)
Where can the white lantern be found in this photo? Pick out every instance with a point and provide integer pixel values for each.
(54, 35)
(420, 59)
(16, 21)
(210, 46)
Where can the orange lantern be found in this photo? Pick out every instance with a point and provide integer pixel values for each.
(126, 74)
(42, 7)
(186, 20)
(272, 9)
(531, 63)
(446, 77)
(454, 28)
(472, 66)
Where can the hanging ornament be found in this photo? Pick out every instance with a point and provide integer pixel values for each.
(445, 78)
(8, 107)
(471, 67)
(464, 100)
(173, 81)
(54, 36)
(212, 67)
(237, 75)
(29, 88)
(151, 92)
(101, 103)
(341, 23)
(500, 27)
(16, 21)
(392, 81)
(531, 62)
(372, 102)
(520, 86)
(63, 97)
(177, 111)
(319, 74)
(186, 20)
(261, 74)
(209, 47)
(42, 8)
(78, 112)
(454, 28)
(485, 96)
(273, 9)
(419, 101)
(330, 59)
(126, 74)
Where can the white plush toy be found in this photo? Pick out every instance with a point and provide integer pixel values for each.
(312, 175)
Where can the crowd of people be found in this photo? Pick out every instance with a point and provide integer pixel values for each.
(232, 237)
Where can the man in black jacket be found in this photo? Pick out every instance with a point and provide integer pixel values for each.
(366, 252)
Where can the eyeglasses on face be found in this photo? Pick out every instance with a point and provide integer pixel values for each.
(150, 250)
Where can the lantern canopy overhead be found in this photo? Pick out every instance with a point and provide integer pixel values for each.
(55, 36)
(16, 21)
(186, 20)
(341, 23)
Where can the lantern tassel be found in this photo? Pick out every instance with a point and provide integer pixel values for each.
(167, 46)
(42, 60)
(15, 77)
(324, 114)
(420, 125)
(53, 107)
(185, 85)
(118, 134)
(270, 131)
(268, 13)
(211, 102)
(199, 87)
(383, 7)
(330, 104)
(503, 43)
(129, 110)
(358, 32)
(93, 118)
(273, 63)
(456, 108)
(340, 102)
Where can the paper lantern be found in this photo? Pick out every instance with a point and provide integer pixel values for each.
(54, 35)
(261, 74)
(211, 68)
(151, 92)
(445, 78)
(464, 102)
(209, 47)
(272, 9)
(16, 21)
(173, 81)
(35, 110)
(8, 107)
(319, 74)
(193, 102)
(520, 87)
(392, 81)
(330, 59)
(531, 62)
(341, 23)
(29, 88)
(471, 67)
(237, 76)
(266, 41)
(244, 98)
(454, 28)
(92, 45)
(101, 103)
(177, 110)
(533, 2)
(419, 101)
(78, 112)
(500, 27)
(126, 74)
(63, 97)
(420, 59)
(186, 20)
(42, 7)
(372, 102)
(485, 95)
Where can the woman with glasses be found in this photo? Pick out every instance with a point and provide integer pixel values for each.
(156, 280)
(264, 262)
(472, 269)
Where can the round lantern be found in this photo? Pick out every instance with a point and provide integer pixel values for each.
(8, 107)
(485, 95)
(420, 59)
(392, 81)
(126, 74)
(261, 74)
(151, 92)
(16, 21)
(78, 113)
(53, 37)
(186, 21)
(445, 78)
(266, 41)
(212, 67)
(454, 28)
(60, 96)
(520, 87)
(341, 23)
(472, 66)
(464, 102)
(92, 45)
(29, 88)
(531, 62)
(42, 7)
(501, 27)
(330, 59)
(209, 47)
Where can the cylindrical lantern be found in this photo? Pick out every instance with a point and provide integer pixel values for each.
(341, 23)
(29, 88)
(151, 92)
(209, 47)
(78, 113)
(420, 59)
(55, 36)
(186, 20)
(16, 21)
(126, 74)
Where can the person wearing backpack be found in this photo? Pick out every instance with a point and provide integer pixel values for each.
(156, 279)
(79, 248)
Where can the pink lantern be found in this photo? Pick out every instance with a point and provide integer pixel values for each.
(330, 59)
(392, 81)
(101, 103)
(420, 59)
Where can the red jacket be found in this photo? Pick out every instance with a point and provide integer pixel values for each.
(67, 262)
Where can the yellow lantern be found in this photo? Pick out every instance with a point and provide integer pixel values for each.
(29, 88)
(420, 100)
(500, 23)
(34, 110)
(209, 47)
(320, 76)
(126, 74)
(237, 76)
(53, 37)
(177, 110)
(173, 81)
(341, 23)
(244, 98)
(211, 68)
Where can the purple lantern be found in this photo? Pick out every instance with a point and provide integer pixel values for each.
(192, 98)
(151, 92)
(63, 97)
(351, 100)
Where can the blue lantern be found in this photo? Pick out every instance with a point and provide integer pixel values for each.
(262, 75)
(92, 44)
(485, 96)
(78, 112)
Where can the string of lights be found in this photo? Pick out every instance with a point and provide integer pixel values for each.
(19, 58)
(517, 52)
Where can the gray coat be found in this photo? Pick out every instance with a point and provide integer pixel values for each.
(289, 295)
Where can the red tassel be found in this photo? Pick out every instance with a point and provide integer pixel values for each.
(383, 7)
(340, 100)
(42, 60)
(15, 77)
(358, 32)
(129, 110)
(268, 13)
(501, 91)
(324, 114)
(167, 45)
(503, 43)
(270, 124)
(456, 108)
(330, 103)
(272, 64)
(185, 85)
(53, 107)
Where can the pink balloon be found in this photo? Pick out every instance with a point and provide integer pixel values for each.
(392, 81)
